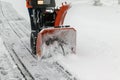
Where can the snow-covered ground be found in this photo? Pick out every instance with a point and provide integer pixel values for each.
(98, 37)
(20, 7)
(98, 41)
(8, 69)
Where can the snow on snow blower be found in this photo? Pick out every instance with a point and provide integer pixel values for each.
(49, 36)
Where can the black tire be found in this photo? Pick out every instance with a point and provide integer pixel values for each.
(33, 43)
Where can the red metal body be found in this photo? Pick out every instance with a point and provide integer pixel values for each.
(67, 34)
(61, 14)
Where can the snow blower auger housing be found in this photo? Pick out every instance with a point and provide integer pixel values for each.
(49, 36)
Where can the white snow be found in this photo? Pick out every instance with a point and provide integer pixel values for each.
(8, 69)
(98, 38)
(20, 7)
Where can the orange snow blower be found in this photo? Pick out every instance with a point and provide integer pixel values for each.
(49, 35)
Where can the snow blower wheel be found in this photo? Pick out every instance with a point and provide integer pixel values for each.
(33, 42)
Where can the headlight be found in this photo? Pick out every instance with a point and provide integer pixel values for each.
(39, 2)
